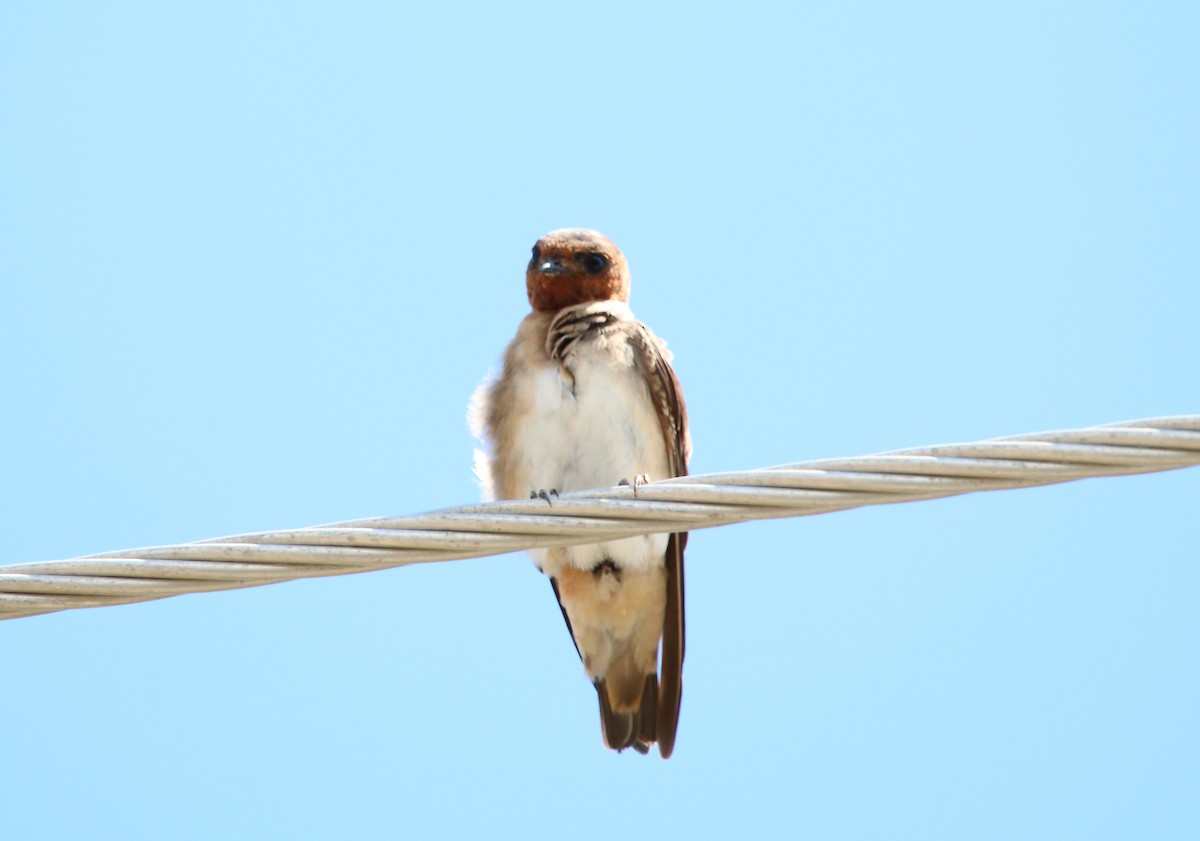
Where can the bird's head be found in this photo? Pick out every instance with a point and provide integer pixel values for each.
(573, 266)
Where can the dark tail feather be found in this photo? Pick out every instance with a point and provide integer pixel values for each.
(620, 730)
(648, 714)
(670, 692)
(635, 729)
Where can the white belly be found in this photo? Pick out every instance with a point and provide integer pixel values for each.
(591, 431)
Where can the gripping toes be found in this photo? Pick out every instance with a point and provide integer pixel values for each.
(542, 494)
(639, 479)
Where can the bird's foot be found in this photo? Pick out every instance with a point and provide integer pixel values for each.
(638, 481)
(542, 494)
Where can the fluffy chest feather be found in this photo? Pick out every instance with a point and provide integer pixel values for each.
(588, 422)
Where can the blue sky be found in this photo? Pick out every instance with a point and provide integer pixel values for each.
(256, 259)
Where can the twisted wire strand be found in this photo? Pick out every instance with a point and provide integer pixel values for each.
(685, 503)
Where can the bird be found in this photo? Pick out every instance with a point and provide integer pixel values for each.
(586, 398)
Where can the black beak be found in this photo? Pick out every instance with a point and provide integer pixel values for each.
(551, 266)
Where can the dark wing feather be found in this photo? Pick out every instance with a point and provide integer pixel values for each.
(567, 619)
(667, 397)
(670, 694)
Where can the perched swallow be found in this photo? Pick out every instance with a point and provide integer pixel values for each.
(587, 399)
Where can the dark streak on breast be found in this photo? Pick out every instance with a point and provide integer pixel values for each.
(569, 326)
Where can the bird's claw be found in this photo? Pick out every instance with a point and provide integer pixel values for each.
(638, 481)
(542, 494)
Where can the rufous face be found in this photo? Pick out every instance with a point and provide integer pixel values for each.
(573, 266)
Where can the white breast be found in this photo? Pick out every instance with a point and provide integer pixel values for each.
(590, 424)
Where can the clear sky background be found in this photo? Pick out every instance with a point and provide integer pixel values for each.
(255, 258)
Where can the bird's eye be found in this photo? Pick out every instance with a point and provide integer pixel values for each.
(594, 263)
(537, 253)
